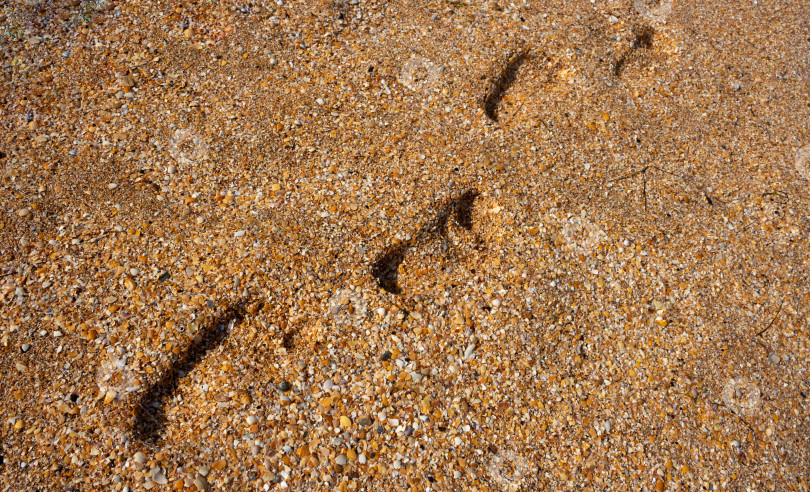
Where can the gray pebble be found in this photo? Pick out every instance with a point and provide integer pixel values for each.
(775, 359)
(159, 478)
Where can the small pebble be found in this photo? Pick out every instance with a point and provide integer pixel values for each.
(159, 478)
(469, 351)
(201, 483)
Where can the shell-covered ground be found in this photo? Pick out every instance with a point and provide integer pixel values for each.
(396, 245)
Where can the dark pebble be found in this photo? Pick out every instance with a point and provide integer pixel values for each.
(284, 386)
(386, 356)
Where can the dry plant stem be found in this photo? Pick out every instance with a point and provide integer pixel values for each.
(775, 317)
(750, 427)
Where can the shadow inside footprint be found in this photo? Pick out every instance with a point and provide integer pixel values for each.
(150, 411)
(463, 209)
(642, 39)
(386, 267)
(505, 80)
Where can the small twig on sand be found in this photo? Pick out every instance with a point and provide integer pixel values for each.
(516, 112)
(631, 175)
(644, 185)
(780, 194)
(735, 414)
(646, 168)
(644, 189)
(545, 125)
(772, 321)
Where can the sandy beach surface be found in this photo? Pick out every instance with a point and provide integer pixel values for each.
(397, 245)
